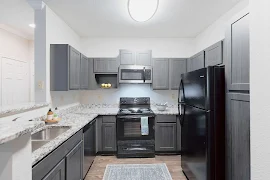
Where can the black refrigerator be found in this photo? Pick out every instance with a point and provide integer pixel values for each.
(201, 102)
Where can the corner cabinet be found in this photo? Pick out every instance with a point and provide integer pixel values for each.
(160, 74)
(214, 54)
(141, 58)
(178, 67)
(66, 68)
(238, 54)
(196, 62)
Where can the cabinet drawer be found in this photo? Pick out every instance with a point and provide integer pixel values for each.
(165, 119)
(109, 119)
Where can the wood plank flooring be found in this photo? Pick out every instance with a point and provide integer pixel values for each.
(173, 163)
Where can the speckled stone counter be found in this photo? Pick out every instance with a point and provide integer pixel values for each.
(100, 111)
(19, 108)
(13, 130)
(168, 111)
(75, 121)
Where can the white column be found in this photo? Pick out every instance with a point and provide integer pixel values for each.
(260, 88)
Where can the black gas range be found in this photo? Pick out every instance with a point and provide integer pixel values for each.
(135, 128)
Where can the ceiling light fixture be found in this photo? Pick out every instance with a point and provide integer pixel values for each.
(142, 10)
(32, 25)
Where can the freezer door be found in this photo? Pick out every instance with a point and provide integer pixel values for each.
(194, 143)
(195, 88)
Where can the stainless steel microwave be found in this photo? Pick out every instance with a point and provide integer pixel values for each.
(135, 74)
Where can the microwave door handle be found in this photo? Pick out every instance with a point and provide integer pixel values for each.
(144, 74)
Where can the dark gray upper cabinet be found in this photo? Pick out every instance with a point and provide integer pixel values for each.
(84, 72)
(143, 58)
(127, 57)
(160, 74)
(58, 172)
(108, 137)
(165, 138)
(106, 65)
(74, 163)
(178, 67)
(196, 62)
(238, 136)
(66, 70)
(238, 54)
(214, 54)
(74, 69)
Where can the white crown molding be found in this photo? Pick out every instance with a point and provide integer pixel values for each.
(36, 4)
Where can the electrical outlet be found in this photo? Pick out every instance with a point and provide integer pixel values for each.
(41, 84)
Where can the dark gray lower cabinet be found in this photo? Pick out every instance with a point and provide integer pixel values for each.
(165, 137)
(238, 136)
(58, 172)
(74, 163)
(108, 137)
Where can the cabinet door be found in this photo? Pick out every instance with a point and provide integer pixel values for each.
(214, 54)
(127, 57)
(161, 74)
(178, 67)
(108, 137)
(196, 62)
(84, 72)
(100, 65)
(178, 136)
(238, 136)
(74, 160)
(144, 58)
(58, 172)
(237, 51)
(165, 137)
(74, 69)
(112, 65)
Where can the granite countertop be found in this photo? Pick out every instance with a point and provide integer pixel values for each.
(100, 111)
(19, 108)
(14, 129)
(75, 121)
(168, 111)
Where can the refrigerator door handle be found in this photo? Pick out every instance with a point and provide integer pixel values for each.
(181, 88)
(182, 116)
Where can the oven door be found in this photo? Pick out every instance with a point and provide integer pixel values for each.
(135, 74)
(129, 128)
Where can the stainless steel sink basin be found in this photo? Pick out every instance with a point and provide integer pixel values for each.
(44, 136)
(49, 133)
(38, 144)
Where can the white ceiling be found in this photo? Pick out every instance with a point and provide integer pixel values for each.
(17, 14)
(110, 18)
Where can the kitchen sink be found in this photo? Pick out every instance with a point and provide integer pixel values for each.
(44, 136)
(49, 133)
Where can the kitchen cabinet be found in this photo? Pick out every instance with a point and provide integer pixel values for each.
(127, 57)
(178, 138)
(58, 172)
(74, 69)
(51, 166)
(214, 54)
(84, 72)
(74, 163)
(106, 65)
(141, 58)
(177, 67)
(66, 71)
(160, 74)
(238, 136)
(238, 54)
(165, 137)
(109, 137)
(196, 62)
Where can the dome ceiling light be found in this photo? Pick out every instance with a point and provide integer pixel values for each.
(142, 10)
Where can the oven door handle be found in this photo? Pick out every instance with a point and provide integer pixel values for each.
(133, 117)
(134, 149)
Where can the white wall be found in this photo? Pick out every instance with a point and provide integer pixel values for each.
(16, 55)
(216, 31)
(58, 32)
(161, 47)
(259, 88)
